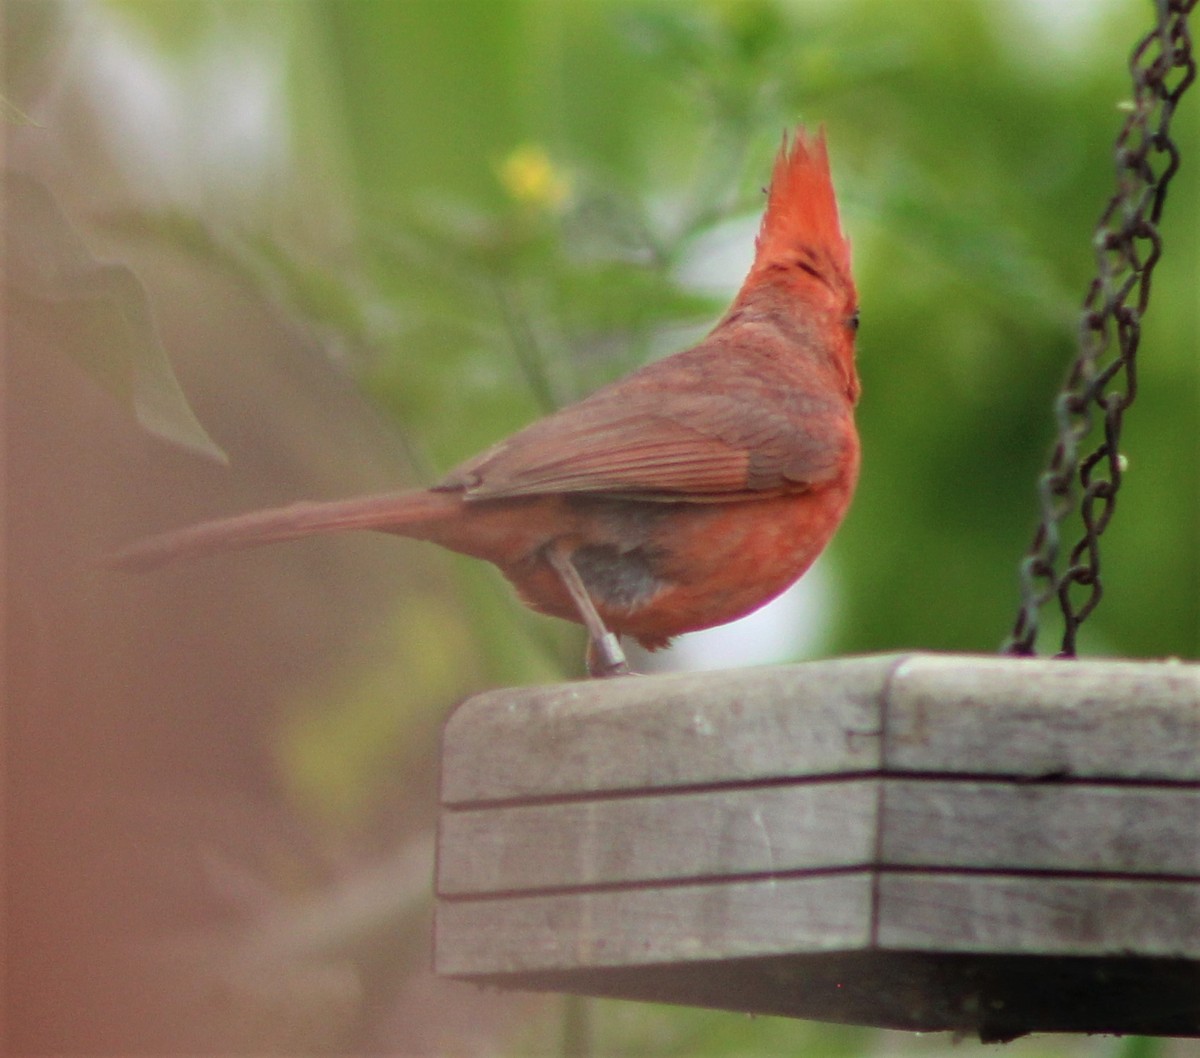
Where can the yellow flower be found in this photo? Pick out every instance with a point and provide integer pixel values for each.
(531, 178)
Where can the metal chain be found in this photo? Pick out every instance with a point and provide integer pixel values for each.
(1128, 246)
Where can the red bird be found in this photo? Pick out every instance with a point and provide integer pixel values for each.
(679, 497)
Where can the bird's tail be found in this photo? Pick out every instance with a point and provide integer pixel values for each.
(398, 512)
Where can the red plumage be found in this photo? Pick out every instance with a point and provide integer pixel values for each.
(802, 211)
(679, 497)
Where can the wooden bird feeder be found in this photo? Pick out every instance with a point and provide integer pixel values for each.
(984, 844)
(919, 841)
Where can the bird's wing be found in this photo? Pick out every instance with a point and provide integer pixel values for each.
(667, 444)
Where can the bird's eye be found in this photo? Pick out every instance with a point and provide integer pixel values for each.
(852, 320)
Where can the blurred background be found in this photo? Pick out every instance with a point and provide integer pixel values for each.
(280, 249)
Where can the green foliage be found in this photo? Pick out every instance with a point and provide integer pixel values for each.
(633, 1030)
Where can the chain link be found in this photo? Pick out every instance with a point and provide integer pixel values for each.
(1103, 383)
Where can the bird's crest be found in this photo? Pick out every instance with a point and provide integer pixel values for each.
(801, 221)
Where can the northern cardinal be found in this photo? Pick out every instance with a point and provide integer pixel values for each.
(682, 496)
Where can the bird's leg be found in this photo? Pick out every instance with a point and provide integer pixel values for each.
(605, 656)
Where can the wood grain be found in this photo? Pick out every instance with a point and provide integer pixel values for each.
(920, 912)
(1086, 829)
(942, 713)
(685, 923)
(727, 833)
(1006, 716)
(934, 824)
(663, 731)
(951, 828)
(1038, 915)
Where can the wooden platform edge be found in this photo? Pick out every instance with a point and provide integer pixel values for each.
(898, 713)
(736, 839)
(997, 998)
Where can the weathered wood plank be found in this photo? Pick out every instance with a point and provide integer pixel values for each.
(816, 719)
(936, 824)
(1087, 828)
(1038, 915)
(675, 836)
(918, 912)
(682, 923)
(1007, 716)
(978, 715)
(746, 840)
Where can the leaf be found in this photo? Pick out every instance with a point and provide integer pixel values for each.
(96, 313)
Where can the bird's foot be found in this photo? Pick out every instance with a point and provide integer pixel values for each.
(606, 658)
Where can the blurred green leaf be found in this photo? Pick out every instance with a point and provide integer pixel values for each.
(97, 313)
(1138, 1047)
